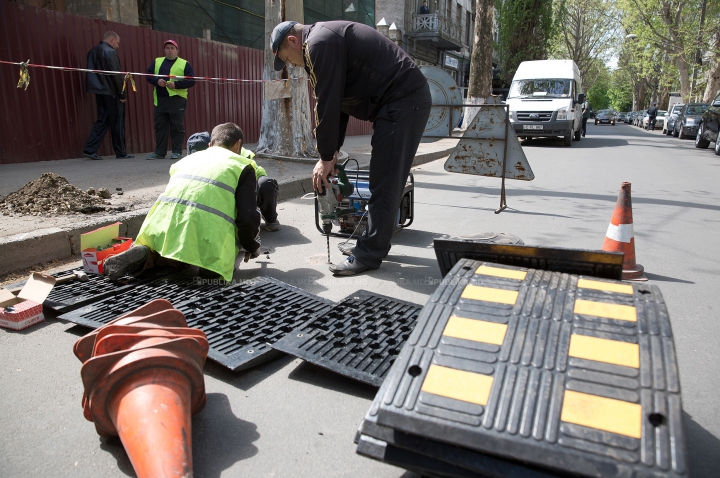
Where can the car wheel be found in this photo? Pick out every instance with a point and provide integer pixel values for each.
(578, 135)
(681, 134)
(675, 131)
(568, 139)
(717, 144)
(701, 142)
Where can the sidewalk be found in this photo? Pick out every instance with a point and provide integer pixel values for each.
(29, 240)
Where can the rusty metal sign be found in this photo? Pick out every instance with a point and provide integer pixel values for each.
(483, 148)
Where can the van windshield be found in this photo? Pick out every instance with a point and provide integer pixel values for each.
(553, 88)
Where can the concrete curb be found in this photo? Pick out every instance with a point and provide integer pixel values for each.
(28, 249)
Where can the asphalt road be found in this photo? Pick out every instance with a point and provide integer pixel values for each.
(288, 418)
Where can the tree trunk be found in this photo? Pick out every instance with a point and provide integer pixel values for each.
(480, 86)
(713, 73)
(286, 127)
(683, 73)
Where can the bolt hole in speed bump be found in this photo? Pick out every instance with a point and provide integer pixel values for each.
(547, 372)
(142, 381)
(359, 337)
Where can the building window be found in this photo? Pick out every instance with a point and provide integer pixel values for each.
(468, 29)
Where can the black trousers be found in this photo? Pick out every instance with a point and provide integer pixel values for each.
(170, 115)
(397, 130)
(584, 125)
(110, 116)
(267, 194)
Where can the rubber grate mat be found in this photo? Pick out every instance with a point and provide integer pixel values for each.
(75, 294)
(243, 321)
(428, 457)
(601, 264)
(175, 288)
(559, 371)
(359, 337)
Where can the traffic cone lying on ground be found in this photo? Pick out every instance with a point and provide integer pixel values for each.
(143, 379)
(621, 238)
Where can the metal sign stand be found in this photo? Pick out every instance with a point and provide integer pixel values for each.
(503, 199)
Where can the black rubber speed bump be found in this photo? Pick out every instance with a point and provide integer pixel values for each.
(562, 372)
(175, 288)
(602, 264)
(243, 321)
(359, 337)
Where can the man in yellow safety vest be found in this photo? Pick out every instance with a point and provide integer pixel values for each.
(170, 97)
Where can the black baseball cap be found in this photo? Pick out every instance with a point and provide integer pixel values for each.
(276, 38)
(198, 142)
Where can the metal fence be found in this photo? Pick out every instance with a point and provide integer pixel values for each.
(53, 117)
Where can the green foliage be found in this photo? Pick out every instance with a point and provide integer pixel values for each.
(620, 92)
(525, 30)
(598, 93)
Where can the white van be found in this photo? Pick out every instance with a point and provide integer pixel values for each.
(545, 99)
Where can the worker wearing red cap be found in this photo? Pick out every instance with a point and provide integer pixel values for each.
(170, 100)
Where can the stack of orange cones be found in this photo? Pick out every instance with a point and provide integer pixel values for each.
(621, 238)
(143, 379)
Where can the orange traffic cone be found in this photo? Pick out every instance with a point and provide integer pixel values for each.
(620, 236)
(143, 379)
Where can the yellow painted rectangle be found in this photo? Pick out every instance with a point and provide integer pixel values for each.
(601, 413)
(458, 384)
(499, 272)
(606, 286)
(475, 330)
(604, 350)
(490, 294)
(603, 309)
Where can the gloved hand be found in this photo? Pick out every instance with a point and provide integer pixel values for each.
(252, 255)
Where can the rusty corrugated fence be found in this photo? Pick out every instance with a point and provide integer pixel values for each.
(53, 118)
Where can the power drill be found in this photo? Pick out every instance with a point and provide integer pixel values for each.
(329, 201)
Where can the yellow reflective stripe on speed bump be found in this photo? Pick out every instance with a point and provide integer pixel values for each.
(606, 286)
(603, 309)
(475, 330)
(604, 350)
(490, 294)
(499, 272)
(601, 413)
(458, 384)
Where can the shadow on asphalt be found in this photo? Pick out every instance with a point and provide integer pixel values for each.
(605, 142)
(320, 377)
(702, 449)
(220, 439)
(658, 277)
(246, 379)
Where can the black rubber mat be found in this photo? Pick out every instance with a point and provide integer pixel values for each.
(563, 372)
(606, 265)
(176, 288)
(359, 337)
(243, 321)
(72, 295)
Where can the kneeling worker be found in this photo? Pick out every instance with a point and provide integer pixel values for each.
(267, 187)
(208, 211)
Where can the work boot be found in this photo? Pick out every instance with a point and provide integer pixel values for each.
(176, 156)
(155, 156)
(126, 262)
(349, 267)
(272, 226)
(347, 249)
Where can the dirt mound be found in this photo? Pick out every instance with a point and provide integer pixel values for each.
(51, 195)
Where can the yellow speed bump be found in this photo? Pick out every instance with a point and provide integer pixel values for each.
(604, 350)
(601, 413)
(490, 294)
(606, 286)
(475, 330)
(606, 310)
(502, 273)
(458, 384)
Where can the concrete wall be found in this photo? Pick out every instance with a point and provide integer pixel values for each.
(121, 11)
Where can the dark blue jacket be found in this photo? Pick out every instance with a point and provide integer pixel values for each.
(104, 57)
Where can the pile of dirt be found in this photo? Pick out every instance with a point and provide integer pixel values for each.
(51, 195)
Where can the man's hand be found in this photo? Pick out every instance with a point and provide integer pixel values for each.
(252, 255)
(162, 82)
(171, 85)
(123, 101)
(322, 170)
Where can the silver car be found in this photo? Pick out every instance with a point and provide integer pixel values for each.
(670, 118)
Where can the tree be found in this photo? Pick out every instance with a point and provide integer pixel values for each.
(480, 85)
(525, 29)
(286, 127)
(597, 94)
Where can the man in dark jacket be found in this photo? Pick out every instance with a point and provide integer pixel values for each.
(109, 97)
(356, 71)
(170, 99)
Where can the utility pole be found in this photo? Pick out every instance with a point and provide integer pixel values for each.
(286, 127)
(480, 82)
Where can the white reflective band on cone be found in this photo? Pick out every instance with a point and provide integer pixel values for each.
(621, 233)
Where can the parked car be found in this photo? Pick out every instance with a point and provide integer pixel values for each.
(640, 119)
(709, 128)
(688, 120)
(659, 120)
(605, 117)
(621, 117)
(670, 118)
(631, 117)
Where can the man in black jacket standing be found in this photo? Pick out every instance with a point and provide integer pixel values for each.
(109, 97)
(170, 99)
(356, 71)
